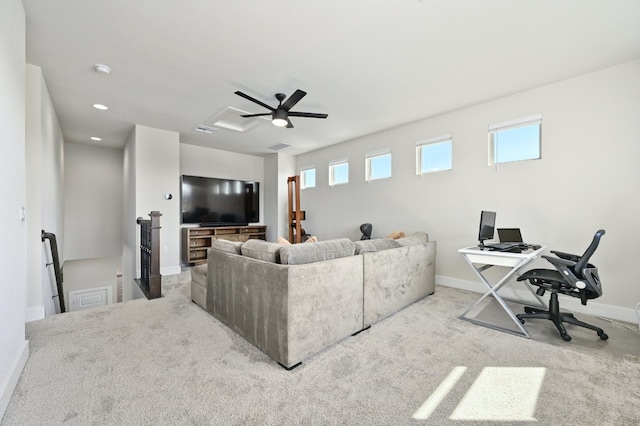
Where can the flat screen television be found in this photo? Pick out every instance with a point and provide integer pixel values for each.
(218, 202)
(487, 226)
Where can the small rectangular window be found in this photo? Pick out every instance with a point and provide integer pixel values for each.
(338, 172)
(378, 165)
(515, 140)
(308, 177)
(433, 155)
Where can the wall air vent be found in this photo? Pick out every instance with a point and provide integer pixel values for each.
(230, 119)
(278, 147)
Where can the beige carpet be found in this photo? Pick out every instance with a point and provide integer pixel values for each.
(168, 362)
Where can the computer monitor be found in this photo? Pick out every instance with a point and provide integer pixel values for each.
(487, 226)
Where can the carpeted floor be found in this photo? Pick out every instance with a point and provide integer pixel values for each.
(168, 362)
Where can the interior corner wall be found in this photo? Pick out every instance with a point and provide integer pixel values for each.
(587, 179)
(157, 171)
(14, 348)
(45, 194)
(130, 229)
(277, 168)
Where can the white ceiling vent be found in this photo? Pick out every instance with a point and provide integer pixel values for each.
(230, 119)
(279, 146)
(205, 129)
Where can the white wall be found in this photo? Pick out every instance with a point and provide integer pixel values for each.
(587, 179)
(157, 169)
(93, 201)
(14, 348)
(45, 194)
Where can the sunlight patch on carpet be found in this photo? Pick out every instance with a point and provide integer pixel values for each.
(439, 394)
(502, 394)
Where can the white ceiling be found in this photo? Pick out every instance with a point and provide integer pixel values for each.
(369, 64)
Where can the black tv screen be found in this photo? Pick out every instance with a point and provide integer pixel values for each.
(216, 202)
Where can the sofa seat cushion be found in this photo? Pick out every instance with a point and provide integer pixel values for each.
(418, 238)
(298, 254)
(226, 246)
(369, 246)
(199, 275)
(261, 250)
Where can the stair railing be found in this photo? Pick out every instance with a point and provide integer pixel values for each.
(55, 261)
(150, 281)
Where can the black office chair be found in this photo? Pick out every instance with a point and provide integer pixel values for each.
(366, 229)
(574, 276)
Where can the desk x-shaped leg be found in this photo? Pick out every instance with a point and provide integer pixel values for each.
(493, 291)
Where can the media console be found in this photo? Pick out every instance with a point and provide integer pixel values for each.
(197, 240)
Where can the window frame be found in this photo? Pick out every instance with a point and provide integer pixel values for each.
(420, 145)
(303, 177)
(377, 154)
(495, 129)
(332, 166)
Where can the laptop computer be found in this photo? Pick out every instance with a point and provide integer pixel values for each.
(510, 235)
(510, 239)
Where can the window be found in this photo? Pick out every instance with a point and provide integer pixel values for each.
(338, 172)
(378, 165)
(515, 140)
(308, 177)
(433, 155)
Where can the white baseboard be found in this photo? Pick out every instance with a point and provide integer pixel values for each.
(34, 313)
(7, 388)
(569, 303)
(170, 270)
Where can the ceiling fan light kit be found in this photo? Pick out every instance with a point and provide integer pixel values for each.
(280, 115)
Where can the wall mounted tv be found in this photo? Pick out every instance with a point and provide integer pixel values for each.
(219, 202)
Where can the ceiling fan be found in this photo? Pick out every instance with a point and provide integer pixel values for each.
(280, 115)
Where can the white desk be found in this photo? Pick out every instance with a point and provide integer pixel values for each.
(481, 260)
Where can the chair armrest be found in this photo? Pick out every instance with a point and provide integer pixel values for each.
(559, 261)
(567, 256)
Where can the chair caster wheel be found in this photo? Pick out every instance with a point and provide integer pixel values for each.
(603, 335)
(566, 337)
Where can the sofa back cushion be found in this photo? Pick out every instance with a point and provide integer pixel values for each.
(261, 250)
(369, 246)
(414, 239)
(298, 254)
(227, 246)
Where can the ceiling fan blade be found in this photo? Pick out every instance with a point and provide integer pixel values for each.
(256, 115)
(239, 93)
(289, 125)
(293, 99)
(307, 114)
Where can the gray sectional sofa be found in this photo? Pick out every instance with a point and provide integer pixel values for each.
(294, 301)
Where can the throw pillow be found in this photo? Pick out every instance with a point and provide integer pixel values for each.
(283, 241)
(414, 239)
(395, 235)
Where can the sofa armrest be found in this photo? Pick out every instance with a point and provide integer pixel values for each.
(396, 278)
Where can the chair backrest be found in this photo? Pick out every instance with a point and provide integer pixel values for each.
(584, 260)
(366, 229)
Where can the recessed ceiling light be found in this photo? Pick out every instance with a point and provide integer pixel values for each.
(100, 107)
(94, 138)
(102, 69)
